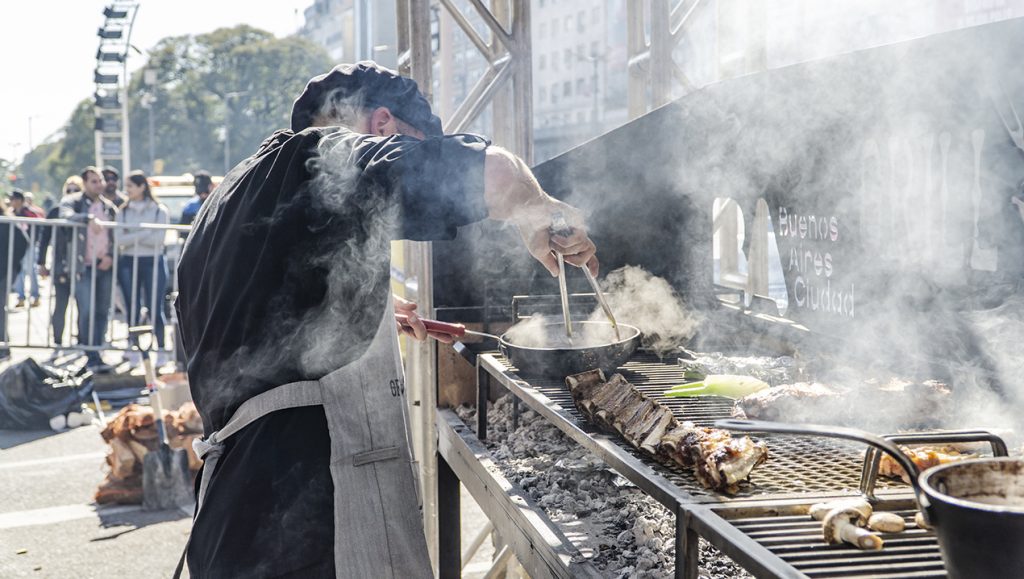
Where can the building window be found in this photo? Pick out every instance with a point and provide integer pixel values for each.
(542, 62)
(594, 48)
(595, 15)
(567, 89)
(554, 60)
(543, 31)
(554, 93)
(567, 55)
(543, 95)
(581, 24)
(581, 87)
(568, 23)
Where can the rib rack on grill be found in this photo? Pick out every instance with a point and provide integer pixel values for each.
(718, 460)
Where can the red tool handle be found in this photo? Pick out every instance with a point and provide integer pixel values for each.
(453, 330)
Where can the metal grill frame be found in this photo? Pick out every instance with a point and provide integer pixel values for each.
(800, 551)
(708, 515)
(670, 484)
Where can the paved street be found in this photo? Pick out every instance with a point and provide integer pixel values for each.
(47, 481)
(49, 526)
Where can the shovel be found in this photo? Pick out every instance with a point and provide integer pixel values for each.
(166, 481)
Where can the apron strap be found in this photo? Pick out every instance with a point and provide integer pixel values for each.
(293, 395)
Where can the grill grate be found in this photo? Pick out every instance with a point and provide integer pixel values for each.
(796, 465)
(797, 540)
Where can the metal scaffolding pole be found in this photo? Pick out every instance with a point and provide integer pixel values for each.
(653, 73)
(506, 85)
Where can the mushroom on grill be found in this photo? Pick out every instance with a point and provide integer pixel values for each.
(845, 525)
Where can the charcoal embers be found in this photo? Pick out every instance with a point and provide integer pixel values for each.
(621, 530)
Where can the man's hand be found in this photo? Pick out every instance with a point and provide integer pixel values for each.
(105, 263)
(43, 272)
(577, 248)
(511, 193)
(414, 327)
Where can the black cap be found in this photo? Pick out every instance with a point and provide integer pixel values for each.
(371, 85)
(17, 194)
(202, 180)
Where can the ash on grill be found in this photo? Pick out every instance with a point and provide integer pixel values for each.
(624, 532)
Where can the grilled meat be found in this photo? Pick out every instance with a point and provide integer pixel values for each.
(923, 456)
(872, 404)
(785, 402)
(719, 461)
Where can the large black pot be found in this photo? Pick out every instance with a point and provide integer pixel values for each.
(976, 506)
(977, 509)
(559, 362)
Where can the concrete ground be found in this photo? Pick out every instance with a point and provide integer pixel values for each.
(49, 526)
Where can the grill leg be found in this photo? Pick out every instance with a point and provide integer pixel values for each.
(515, 412)
(483, 394)
(687, 549)
(449, 522)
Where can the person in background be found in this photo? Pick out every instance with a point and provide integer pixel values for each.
(16, 246)
(110, 181)
(61, 266)
(94, 245)
(21, 206)
(203, 184)
(141, 269)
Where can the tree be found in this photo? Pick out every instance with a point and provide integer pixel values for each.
(241, 77)
(52, 162)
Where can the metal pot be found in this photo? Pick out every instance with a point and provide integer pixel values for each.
(555, 362)
(559, 362)
(976, 506)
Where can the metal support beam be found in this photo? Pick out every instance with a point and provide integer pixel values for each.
(414, 61)
(449, 505)
(506, 48)
(653, 73)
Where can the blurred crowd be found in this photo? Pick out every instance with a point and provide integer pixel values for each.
(99, 252)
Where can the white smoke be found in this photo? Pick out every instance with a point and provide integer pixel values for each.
(648, 302)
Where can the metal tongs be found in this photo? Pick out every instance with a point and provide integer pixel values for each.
(560, 227)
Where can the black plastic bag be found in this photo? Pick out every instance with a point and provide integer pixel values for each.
(31, 395)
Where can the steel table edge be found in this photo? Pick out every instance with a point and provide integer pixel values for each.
(468, 457)
(735, 544)
(634, 470)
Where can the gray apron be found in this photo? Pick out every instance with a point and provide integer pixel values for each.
(378, 529)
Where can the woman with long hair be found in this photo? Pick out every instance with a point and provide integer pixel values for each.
(61, 271)
(141, 269)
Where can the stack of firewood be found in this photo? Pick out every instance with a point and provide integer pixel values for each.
(131, 434)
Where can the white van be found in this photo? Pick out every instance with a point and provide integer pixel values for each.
(175, 191)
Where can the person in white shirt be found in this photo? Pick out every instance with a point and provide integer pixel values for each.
(141, 268)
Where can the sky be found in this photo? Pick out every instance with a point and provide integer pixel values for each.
(49, 49)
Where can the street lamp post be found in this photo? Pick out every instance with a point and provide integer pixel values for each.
(148, 100)
(227, 126)
(595, 60)
(30, 130)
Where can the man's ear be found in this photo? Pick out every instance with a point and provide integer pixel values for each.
(382, 122)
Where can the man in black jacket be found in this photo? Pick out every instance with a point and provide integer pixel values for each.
(286, 317)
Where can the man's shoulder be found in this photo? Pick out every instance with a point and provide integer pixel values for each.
(72, 200)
